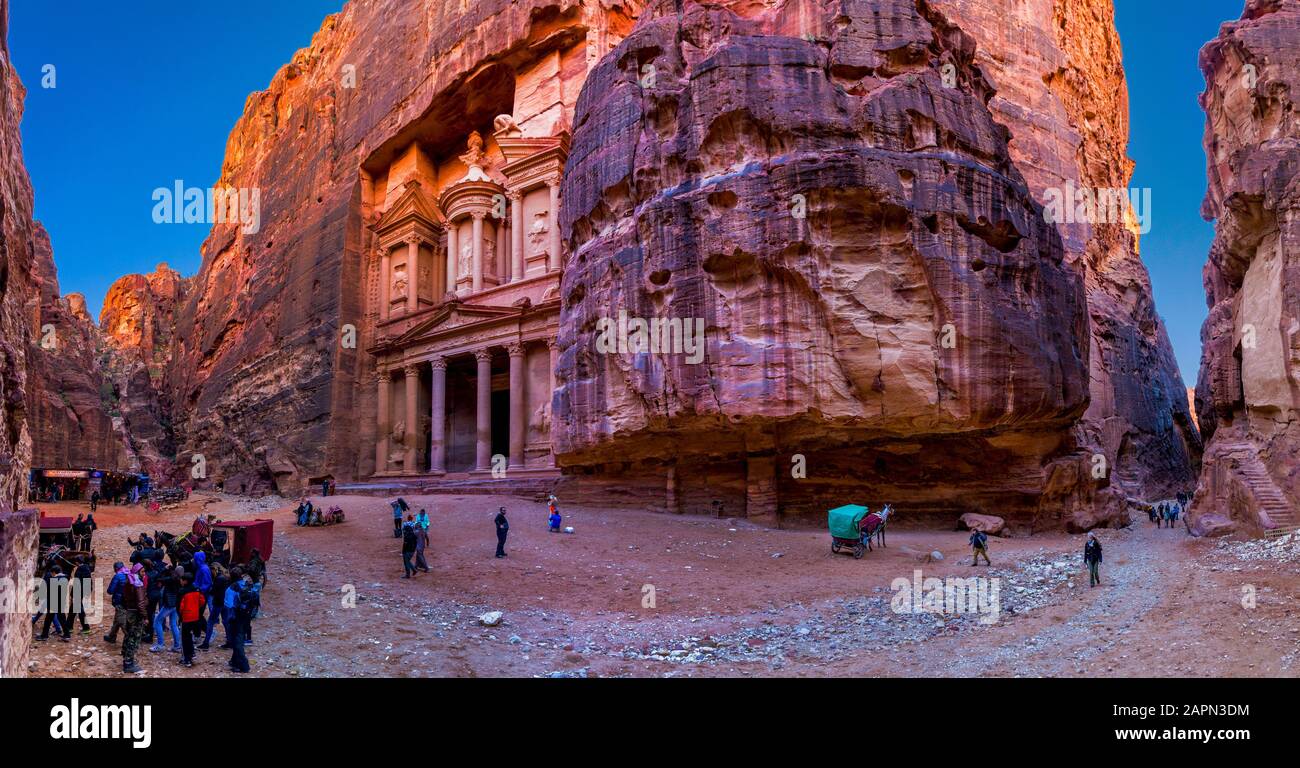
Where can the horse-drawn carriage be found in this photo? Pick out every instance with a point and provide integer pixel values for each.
(853, 526)
(57, 544)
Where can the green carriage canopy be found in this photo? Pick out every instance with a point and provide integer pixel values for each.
(844, 521)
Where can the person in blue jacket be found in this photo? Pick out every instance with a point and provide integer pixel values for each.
(114, 591)
(555, 521)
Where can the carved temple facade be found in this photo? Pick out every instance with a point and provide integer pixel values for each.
(468, 255)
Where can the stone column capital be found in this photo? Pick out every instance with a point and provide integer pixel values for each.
(478, 215)
(515, 350)
(382, 375)
(412, 240)
(553, 343)
(483, 355)
(438, 363)
(553, 180)
(411, 370)
(514, 195)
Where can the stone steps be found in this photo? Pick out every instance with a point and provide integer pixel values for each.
(535, 487)
(1271, 500)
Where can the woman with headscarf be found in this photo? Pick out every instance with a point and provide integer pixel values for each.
(135, 603)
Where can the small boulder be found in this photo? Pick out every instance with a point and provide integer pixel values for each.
(990, 524)
(491, 618)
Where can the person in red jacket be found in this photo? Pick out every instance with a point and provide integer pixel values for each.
(192, 621)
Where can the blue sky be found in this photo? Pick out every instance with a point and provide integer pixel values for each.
(148, 95)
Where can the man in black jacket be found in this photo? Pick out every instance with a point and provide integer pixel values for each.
(409, 542)
(1092, 556)
(503, 528)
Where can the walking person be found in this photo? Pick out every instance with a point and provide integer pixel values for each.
(135, 602)
(114, 592)
(239, 615)
(409, 542)
(421, 541)
(79, 586)
(1092, 556)
(503, 529)
(399, 506)
(56, 599)
(979, 542)
(169, 600)
(94, 500)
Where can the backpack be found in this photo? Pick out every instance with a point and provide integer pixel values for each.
(250, 599)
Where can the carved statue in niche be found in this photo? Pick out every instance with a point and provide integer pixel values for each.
(489, 257)
(474, 157)
(466, 259)
(399, 282)
(537, 233)
(424, 276)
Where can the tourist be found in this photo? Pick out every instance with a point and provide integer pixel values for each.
(91, 527)
(1175, 510)
(94, 500)
(503, 528)
(217, 605)
(169, 599)
(325, 487)
(56, 595)
(135, 601)
(409, 543)
(554, 520)
(257, 568)
(81, 584)
(114, 592)
(153, 570)
(399, 506)
(190, 610)
(237, 610)
(421, 541)
(979, 542)
(422, 520)
(304, 511)
(1092, 556)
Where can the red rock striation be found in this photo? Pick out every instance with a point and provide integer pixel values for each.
(1248, 393)
(917, 322)
(18, 294)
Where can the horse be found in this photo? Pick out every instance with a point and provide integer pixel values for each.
(873, 525)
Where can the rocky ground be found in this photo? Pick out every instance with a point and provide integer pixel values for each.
(730, 599)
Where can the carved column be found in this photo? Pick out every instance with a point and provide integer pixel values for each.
(483, 453)
(553, 259)
(502, 267)
(383, 428)
(554, 346)
(518, 411)
(453, 255)
(385, 281)
(438, 416)
(412, 418)
(516, 236)
(478, 251)
(412, 274)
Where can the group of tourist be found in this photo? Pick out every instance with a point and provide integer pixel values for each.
(415, 537)
(1165, 514)
(152, 600)
(83, 531)
(414, 532)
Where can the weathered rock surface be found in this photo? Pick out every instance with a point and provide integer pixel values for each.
(70, 407)
(1248, 393)
(18, 298)
(261, 385)
(847, 199)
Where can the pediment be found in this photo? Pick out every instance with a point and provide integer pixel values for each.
(453, 315)
(412, 203)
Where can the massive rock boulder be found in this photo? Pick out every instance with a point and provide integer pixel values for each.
(849, 202)
(1248, 393)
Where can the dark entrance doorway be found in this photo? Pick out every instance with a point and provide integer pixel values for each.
(501, 422)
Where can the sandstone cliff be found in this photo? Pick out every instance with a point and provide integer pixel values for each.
(262, 386)
(1248, 393)
(919, 323)
(17, 296)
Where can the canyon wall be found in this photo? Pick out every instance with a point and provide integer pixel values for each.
(1248, 392)
(18, 293)
(262, 385)
(850, 198)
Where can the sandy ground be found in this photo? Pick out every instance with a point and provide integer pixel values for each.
(729, 599)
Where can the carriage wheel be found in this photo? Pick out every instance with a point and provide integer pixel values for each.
(858, 551)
